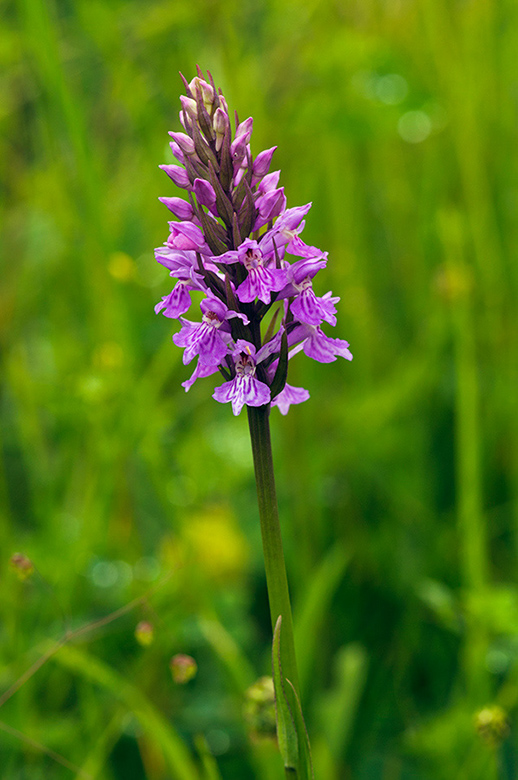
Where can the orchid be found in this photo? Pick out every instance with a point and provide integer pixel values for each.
(238, 244)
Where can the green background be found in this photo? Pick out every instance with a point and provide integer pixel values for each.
(397, 480)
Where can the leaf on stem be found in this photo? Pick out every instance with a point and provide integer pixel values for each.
(286, 731)
(302, 731)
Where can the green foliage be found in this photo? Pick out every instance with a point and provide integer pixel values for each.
(288, 735)
(397, 480)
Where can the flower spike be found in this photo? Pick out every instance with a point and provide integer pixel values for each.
(238, 243)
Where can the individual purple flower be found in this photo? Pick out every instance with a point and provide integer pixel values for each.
(308, 308)
(261, 280)
(209, 338)
(177, 302)
(245, 388)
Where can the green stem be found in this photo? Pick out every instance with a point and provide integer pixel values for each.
(276, 579)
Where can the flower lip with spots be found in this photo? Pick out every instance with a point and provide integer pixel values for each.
(245, 388)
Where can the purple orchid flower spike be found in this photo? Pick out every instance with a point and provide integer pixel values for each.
(238, 244)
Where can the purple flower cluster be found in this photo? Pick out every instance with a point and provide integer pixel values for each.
(232, 243)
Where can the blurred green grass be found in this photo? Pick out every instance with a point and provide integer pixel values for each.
(398, 120)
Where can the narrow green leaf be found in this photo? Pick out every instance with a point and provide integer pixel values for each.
(286, 731)
(306, 761)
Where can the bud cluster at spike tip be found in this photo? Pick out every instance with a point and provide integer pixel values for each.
(238, 243)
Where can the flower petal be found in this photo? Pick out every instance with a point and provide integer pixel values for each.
(289, 395)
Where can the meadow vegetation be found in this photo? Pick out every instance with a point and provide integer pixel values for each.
(397, 480)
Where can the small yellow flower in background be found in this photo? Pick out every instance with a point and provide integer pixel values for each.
(217, 542)
(183, 668)
(144, 633)
(109, 355)
(492, 725)
(453, 283)
(122, 267)
(22, 565)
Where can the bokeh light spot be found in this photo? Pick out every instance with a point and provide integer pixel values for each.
(414, 127)
(391, 89)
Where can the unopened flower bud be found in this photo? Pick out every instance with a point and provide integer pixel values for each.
(262, 162)
(223, 103)
(185, 143)
(177, 152)
(492, 725)
(22, 565)
(183, 668)
(238, 151)
(220, 122)
(144, 633)
(189, 106)
(179, 207)
(268, 182)
(244, 130)
(207, 93)
(186, 235)
(269, 206)
(204, 192)
(178, 175)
